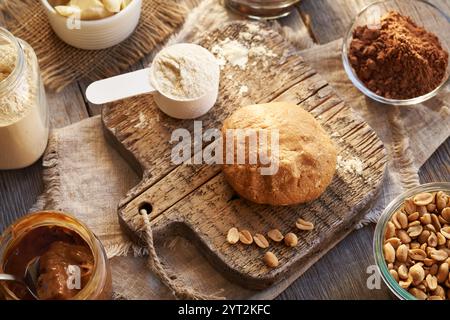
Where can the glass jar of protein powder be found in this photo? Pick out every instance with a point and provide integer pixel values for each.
(24, 124)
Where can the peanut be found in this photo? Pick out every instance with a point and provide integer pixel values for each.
(409, 206)
(406, 283)
(413, 216)
(423, 199)
(440, 292)
(431, 207)
(435, 222)
(389, 253)
(417, 254)
(402, 272)
(446, 232)
(432, 282)
(443, 272)
(419, 294)
(233, 236)
(395, 242)
(422, 210)
(415, 230)
(390, 230)
(432, 240)
(402, 253)
(428, 262)
(275, 235)
(425, 219)
(439, 255)
(403, 236)
(304, 225)
(441, 200)
(423, 237)
(441, 239)
(434, 269)
(261, 241)
(417, 273)
(245, 237)
(291, 239)
(446, 214)
(271, 260)
(394, 274)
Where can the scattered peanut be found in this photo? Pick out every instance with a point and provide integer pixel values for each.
(275, 235)
(233, 236)
(290, 240)
(261, 241)
(271, 260)
(304, 225)
(416, 246)
(245, 237)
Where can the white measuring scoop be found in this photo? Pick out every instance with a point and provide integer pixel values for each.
(144, 82)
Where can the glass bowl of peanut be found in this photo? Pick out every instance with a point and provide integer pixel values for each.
(412, 243)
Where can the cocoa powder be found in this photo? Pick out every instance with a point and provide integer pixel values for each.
(399, 60)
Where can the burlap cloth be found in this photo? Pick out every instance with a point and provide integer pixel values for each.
(62, 64)
(85, 176)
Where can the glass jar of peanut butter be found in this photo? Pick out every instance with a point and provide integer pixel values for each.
(72, 262)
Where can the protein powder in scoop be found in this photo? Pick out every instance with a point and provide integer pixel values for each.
(183, 79)
(185, 71)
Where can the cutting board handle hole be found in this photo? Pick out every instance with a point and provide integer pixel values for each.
(145, 207)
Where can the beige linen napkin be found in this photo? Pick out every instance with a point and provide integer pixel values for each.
(85, 176)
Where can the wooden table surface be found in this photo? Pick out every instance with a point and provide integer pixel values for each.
(341, 274)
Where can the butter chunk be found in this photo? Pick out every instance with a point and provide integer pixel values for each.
(68, 11)
(113, 5)
(85, 9)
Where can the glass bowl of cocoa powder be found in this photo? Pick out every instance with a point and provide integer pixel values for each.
(397, 52)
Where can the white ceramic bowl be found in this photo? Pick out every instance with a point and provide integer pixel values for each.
(95, 34)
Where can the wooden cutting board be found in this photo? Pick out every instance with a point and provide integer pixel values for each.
(195, 202)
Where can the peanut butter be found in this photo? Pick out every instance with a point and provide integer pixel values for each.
(58, 248)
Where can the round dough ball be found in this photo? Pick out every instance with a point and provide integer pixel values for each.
(307, 156)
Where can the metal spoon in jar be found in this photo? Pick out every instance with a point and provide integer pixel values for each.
(29, 281)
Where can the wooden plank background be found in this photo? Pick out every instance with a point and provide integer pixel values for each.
(341, 274)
